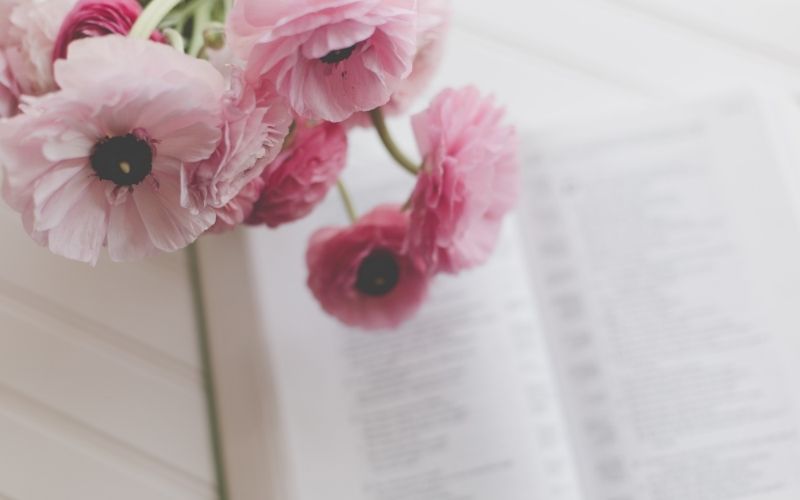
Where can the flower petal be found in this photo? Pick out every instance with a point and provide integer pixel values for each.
(170, 226)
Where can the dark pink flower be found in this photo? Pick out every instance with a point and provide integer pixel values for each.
(362, 275)
(329, 58)
(302, 175)
(469, 180)
(90, 18)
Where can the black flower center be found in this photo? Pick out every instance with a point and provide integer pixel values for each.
(125, 160)
(337, 56)
(378, 274)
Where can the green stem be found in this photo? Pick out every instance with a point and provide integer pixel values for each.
(204, 346)
(183, 13)
(379, 122)
(175, 39)
(348, 202)
(202, 18)
(151, 17)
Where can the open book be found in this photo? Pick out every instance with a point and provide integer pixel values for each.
(636, 336)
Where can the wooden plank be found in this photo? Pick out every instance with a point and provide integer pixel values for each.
(50, 363)
(149, 302)
(39, 464)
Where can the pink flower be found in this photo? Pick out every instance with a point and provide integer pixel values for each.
(239, 208)
(253, 132)
(330, 58)
(301, 176)
(98, 162)
(361, 274)
(28, 41)
(468, 183)
(8, 95)
(90, 18)
(432, 25)
(225, 61)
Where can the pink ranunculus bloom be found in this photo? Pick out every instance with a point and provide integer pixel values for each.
(97, 163)
(432, 27)
(238, 209)
(330, 58)
(433, 23)
(362, 275)
(224, 60)
(90, 18)
(8, 94)
(256, 122)
(469, 180)
(302, 175)
(28, 42)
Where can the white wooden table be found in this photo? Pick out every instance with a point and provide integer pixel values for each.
(100, 391)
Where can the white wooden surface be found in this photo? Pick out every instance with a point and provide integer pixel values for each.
(99, 387)
(99, 384)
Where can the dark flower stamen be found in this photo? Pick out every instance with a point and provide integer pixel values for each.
(378, 274)
(337, 56)
(124, 160)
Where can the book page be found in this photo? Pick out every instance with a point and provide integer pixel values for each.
(667, 259)
(458, 404)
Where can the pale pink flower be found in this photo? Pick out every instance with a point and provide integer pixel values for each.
(469, 181)
(225, 60)
(32, 29)
(90, 18)
(362, 275)
(238, 209)
(330, 58)
(433, 23)
(98, 162)
(302, 175)
(432, 26)
(256, 122)
(8, 94)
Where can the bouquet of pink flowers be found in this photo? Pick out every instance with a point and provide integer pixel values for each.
(139, 128)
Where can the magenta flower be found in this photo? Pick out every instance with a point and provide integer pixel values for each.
(302, 175)
(28, 32)
(329, 58)
(253, 132)
(361, 274)
(90, 18)
(469, 181)
(98, 162)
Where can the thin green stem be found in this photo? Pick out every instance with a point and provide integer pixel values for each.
(151, 17)
(206, 362)
(180, 15)
(379, 121)
(202, 18)
(347, 201)
(175, 39)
